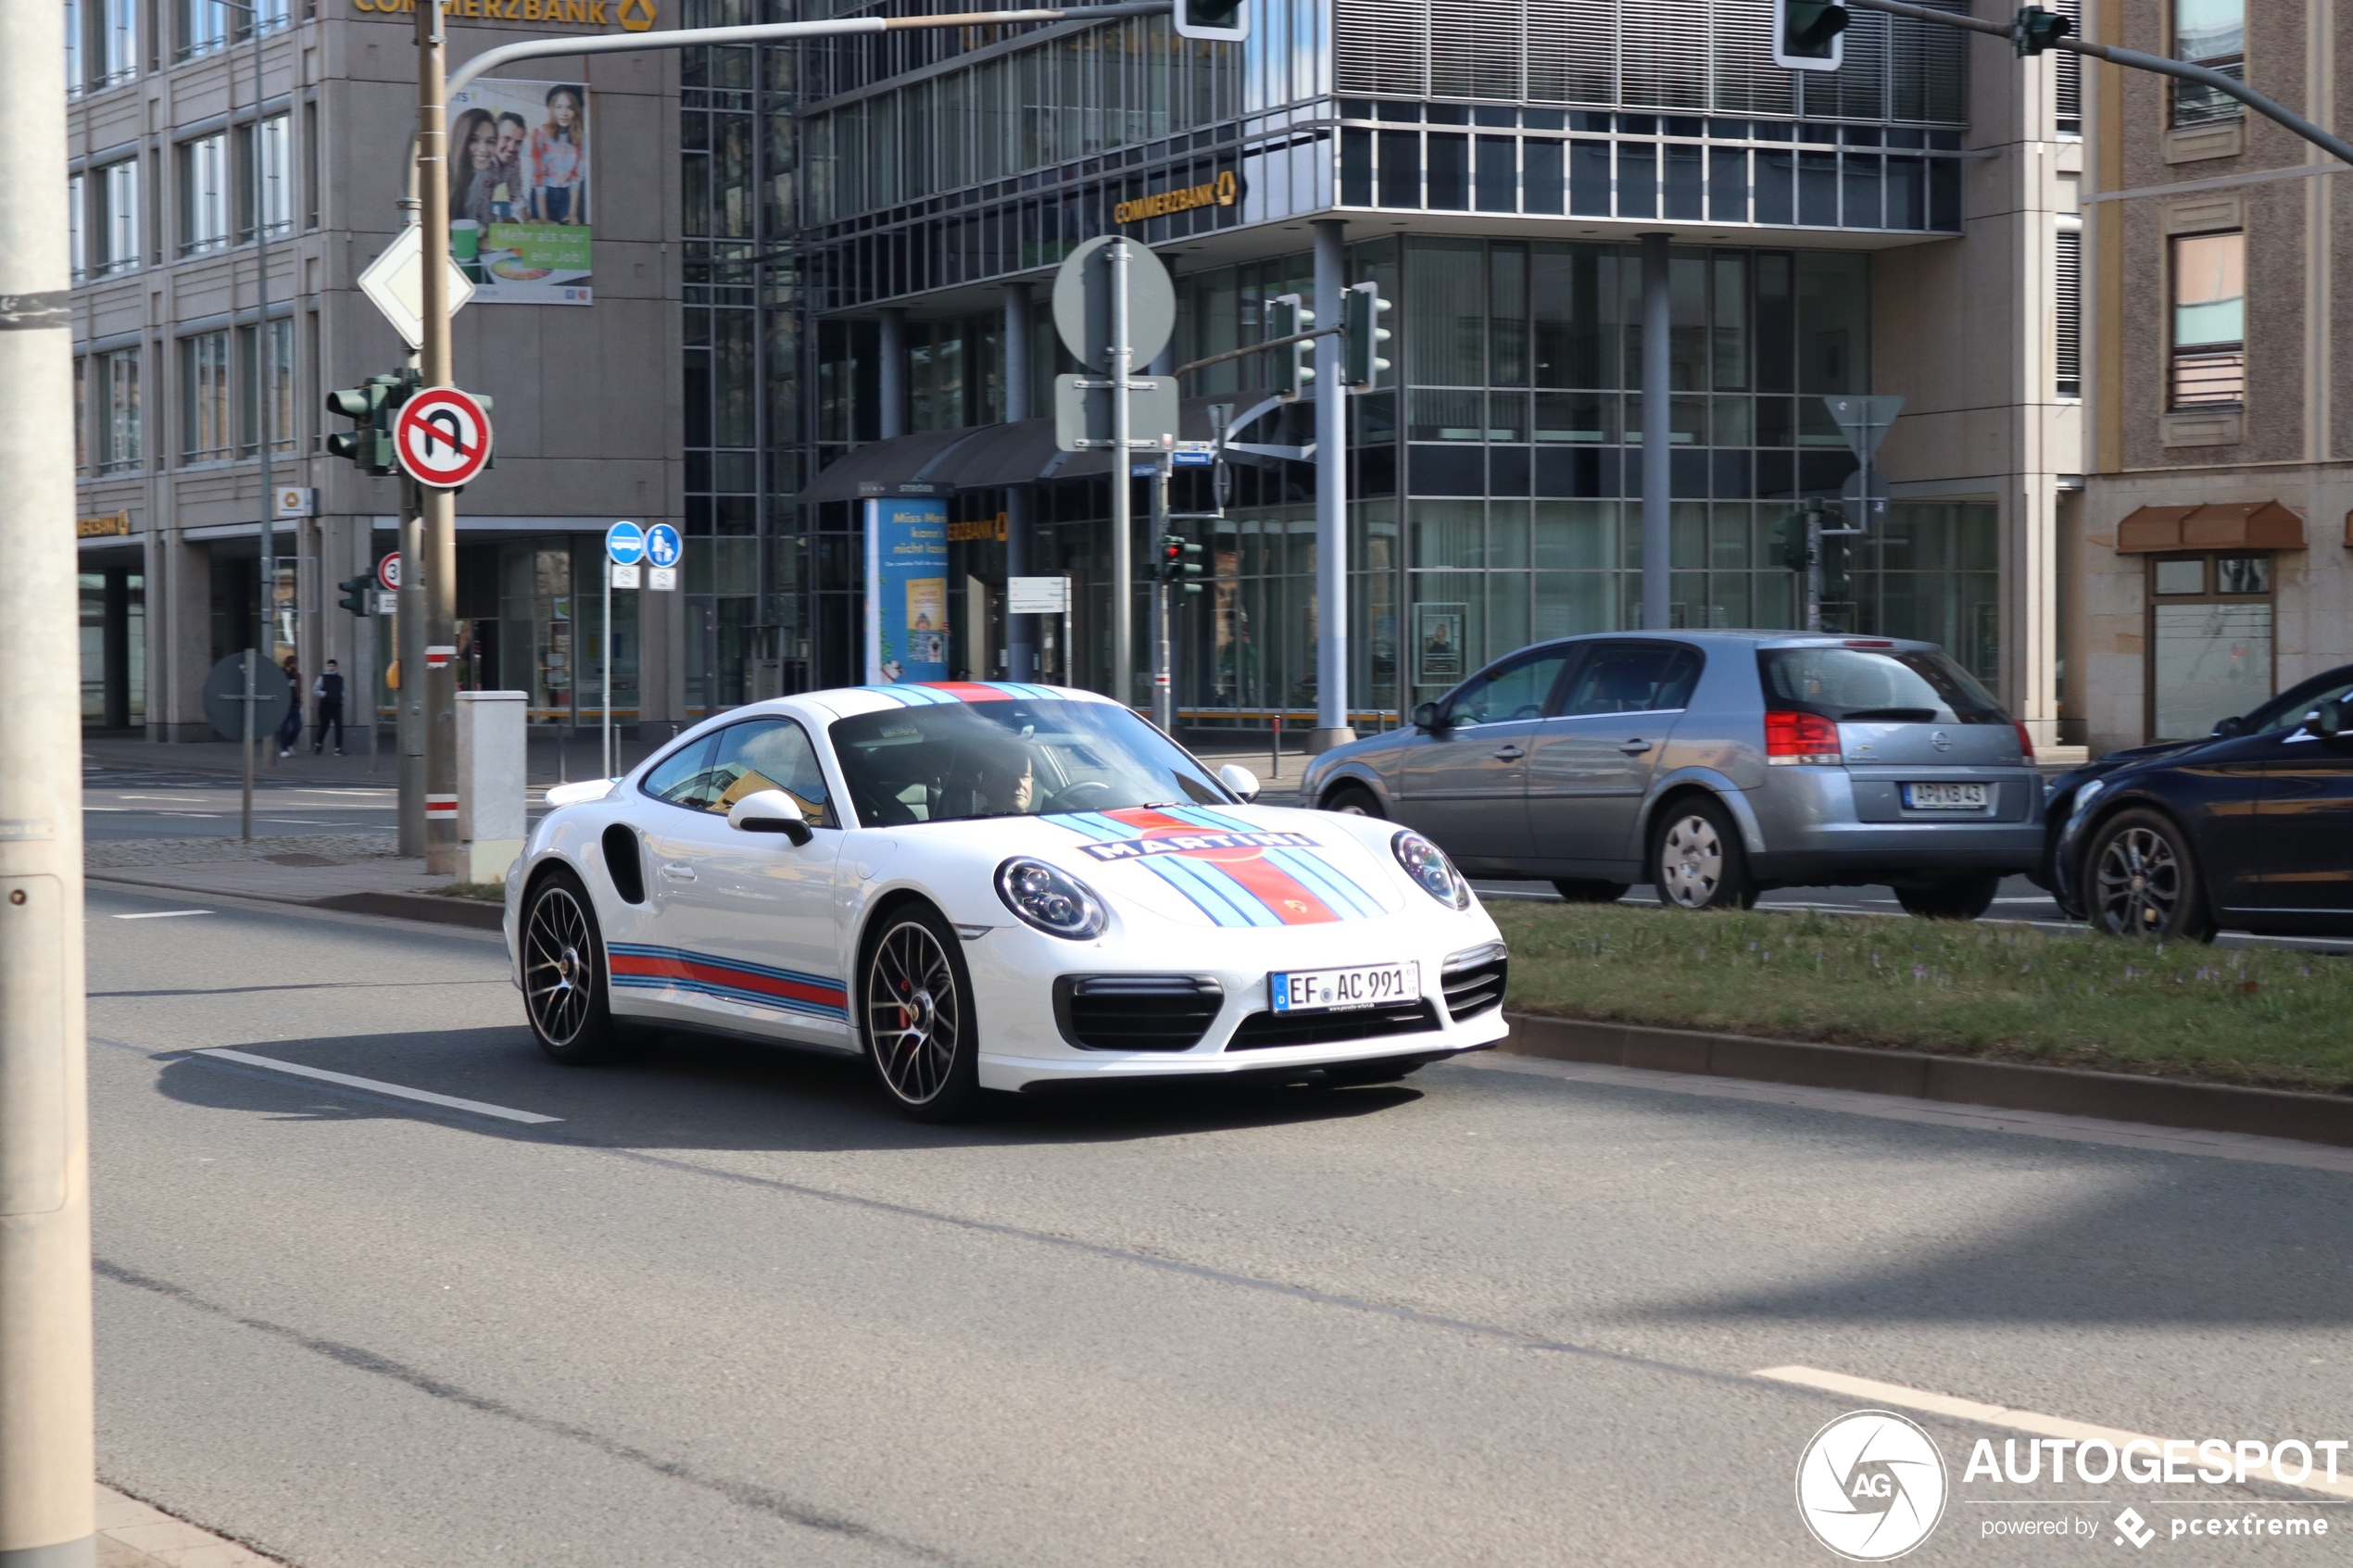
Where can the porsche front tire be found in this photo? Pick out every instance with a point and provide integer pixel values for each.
(916, 1015)
(563, 973)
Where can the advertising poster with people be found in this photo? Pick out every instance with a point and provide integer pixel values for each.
(520, 224)
(906, 589)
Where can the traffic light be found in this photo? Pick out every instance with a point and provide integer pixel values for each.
(355, 593)
(2035, 29)
(1226, 20)
(1179, 563)
(372, 407)
(1806, 35)
(1362, 310)
(1789, 542)
(1287, 315)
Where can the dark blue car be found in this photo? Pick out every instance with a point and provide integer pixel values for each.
(2251, 828)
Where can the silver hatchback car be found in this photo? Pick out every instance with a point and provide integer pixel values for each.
(1714, 765)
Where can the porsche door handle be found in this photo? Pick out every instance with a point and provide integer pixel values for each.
(1636, 746)
(1509, 754)
(678, 871)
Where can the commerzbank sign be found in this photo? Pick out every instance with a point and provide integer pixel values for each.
(630, 16)
(1220, 192)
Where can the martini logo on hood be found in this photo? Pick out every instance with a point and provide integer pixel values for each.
(1234, 873)
(1196, 844)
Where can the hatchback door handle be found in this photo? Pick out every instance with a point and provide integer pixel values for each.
(1636, 746)
(1509, 754)
(677, 871)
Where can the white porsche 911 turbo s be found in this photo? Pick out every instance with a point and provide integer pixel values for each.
(991, 886)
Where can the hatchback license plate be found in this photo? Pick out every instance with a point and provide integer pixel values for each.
(1947, 796)
(1331, 990)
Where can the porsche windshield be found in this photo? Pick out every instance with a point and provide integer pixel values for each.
(955, 761)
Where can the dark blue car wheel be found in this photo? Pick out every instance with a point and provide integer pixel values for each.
(2141, 879)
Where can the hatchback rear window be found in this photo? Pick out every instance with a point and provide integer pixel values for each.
(1876, 685)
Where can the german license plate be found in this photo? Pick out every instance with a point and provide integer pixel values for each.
(1947, 796)
(1329, 990)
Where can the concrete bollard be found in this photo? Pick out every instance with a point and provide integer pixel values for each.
(492, 819)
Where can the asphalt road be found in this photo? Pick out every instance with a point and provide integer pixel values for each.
(729, 1308)
(118, 803)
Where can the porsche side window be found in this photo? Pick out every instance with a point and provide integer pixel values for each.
(769, 754)
(684, 778)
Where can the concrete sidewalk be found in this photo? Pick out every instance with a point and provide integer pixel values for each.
(132, 1535)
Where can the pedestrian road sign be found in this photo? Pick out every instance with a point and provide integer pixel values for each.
(625, 543)
(442, 437)
(663, 545)
(389, 572)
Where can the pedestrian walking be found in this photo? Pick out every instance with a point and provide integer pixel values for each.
(290, 727)
(327, 689)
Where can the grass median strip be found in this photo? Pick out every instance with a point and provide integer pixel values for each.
(2276, 1019)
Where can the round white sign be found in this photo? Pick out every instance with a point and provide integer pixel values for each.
(1871, 1485)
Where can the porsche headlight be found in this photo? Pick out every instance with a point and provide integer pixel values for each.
(1427, 865)
(1051, 900)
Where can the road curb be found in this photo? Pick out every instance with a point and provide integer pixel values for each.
(2007, 1086)
(431, 906)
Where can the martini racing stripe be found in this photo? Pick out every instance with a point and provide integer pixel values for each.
(1327, 881)
(1249, 890)
(911, 696)
(934, 693)
(641, 967)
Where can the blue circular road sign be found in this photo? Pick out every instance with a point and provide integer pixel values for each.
(625, 542)
(662, 546)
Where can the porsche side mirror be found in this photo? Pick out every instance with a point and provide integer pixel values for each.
(1239, 779)
(1426, 718)
(769, 810)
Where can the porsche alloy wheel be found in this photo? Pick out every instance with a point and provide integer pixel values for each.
(2144, 880)
(919, 1026)
(563, 973)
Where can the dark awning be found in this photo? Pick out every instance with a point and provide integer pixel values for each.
(2238, 525)
(986, 456)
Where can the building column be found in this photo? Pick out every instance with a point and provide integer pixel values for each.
(891, 376)
(1331, 498)
(1021, 631)
(1658, 557)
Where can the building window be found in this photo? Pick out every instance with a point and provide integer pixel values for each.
(117, 377)
(2210, 33)
(2067, 312)
(115, 233)
(77, 241)
(75, 26)
(265, 377)
(2067, 76)
(275, 196)
(204, 194)
(82, 414)
(2209, 321)
(204, 26)
(2210, 641)
(118, 41)
(310, 165)
(204, 397)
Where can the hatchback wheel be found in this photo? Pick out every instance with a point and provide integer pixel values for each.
(1590, 892)
(920, 1032)
(2144, 882)
(1697, 861)
(1352, 801)
(563, 973)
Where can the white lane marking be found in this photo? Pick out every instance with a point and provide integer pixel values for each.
(2248, 1147)
(401, 1091)
(163, 914)
(2015, 1419)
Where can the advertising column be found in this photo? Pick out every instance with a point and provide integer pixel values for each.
(906, 589)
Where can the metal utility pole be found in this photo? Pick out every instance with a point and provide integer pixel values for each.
(1021, 631)
(1658, 427)
(436, 562)
(265, 641)
(1163, 666)
(46, 1454)
(1122, 520)
(408, 702)
(1331, 497)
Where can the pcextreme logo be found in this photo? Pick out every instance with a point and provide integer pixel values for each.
(630, 16)
(1871, 1485)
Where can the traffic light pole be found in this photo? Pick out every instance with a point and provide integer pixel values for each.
(436, 562)
(1123, 493)
(409, 711)
(46, 1455)
(2336, 147)
(1163, 668)
(1331, 497)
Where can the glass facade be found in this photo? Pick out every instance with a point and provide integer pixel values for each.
(1495, 473)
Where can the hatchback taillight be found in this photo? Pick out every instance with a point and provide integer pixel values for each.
(2025, 741)
(1793, 738)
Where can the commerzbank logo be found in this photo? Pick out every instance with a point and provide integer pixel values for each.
(1871, 1485)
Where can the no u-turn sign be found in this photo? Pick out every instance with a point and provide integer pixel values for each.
(442, 437)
